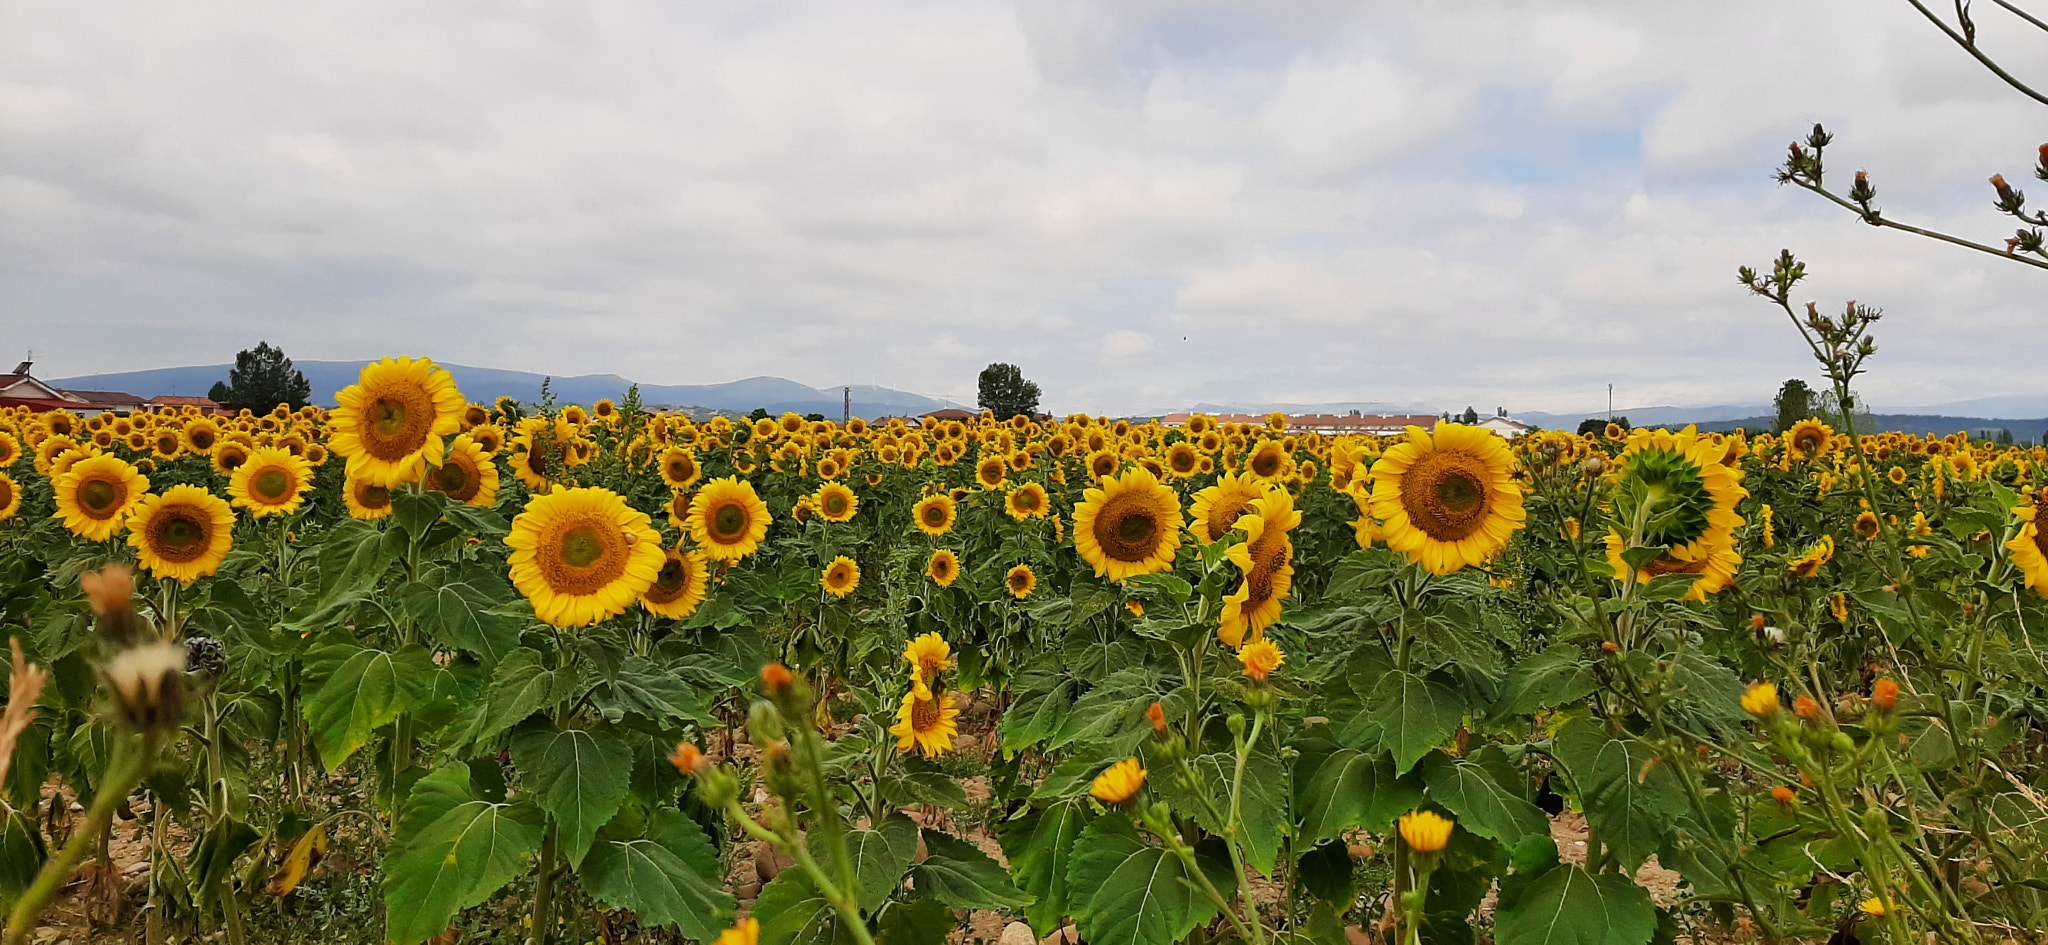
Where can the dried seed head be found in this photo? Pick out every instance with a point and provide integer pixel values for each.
(147, 683)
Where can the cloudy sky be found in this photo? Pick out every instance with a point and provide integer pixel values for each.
(1144, 204)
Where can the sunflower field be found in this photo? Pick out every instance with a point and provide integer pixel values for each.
(416, 669)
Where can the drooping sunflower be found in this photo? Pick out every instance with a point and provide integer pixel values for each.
(935, 514)
(468, 475)
(272, 482)
(835, 502)
(679, 587)
(728, 519)
(928, 655)
(1265, 559)
(1677, 486)
(1809, 439)
(390, 422)
(841, 577)
(2030, 547)
(679, 468)
(1216, 508)
(1021, 581)
(182, 534)
(366, 500)
(926, 724)
(1447, 498)
(582, 555)
(1715, 564)
(95, 495)
(1129, 526)
(1026, 501)
(1809, 564)
(943, 568)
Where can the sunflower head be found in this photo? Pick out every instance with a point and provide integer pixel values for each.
(366, 500)
(582, 555)
(1119, 783)
(991, 471)
(841, 577)
(925, 722)
(1129, 526)
(1026, 501)
(1677, 487)
(95, 495)
(943, 568)
(678, 587)
(10, 497)
(1217, 508)
(727, 519)
(182, 534)
(1448, 498)
(390, 422)
(835, 502)
(1260, 659)
(1021, 581)
(272, 482)
(1809, 439)
(934, 514)
(467, 475)
(679, 468)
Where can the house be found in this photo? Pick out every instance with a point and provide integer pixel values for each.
(107, 400)
(166, 403)
(1508, 427)
(19, 389)
(1329, 424)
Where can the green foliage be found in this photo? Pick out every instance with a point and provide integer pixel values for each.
(261, 379)
(1005, 392)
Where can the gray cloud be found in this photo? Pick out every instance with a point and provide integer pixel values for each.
(1145, 204)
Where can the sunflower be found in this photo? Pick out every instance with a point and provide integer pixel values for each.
(1103, 464)
(1217, 507)
(991, 471)
(488, 437)
(531, 461)
(1129, 526)
(51, 448)
(95, 495)
(1268, 461)
(468, 476)
(366, 500)
(835, 502)
(728, 519)
(390, 422)
(928, 655)
(1448, 498)
(272, 482)
(182, 534)
(1867, 526)
(935, 514)
(167, 444)
(926, 724)
(841, 577)
(575, 415)
(1026, 501)
(1715, 564)
(1021, 581)
(10, 449)
(1119, 783)
(475, 415)
(229, 456)
(10, 497)
(1264, 557)
(1677, 487)
(1809, 439)
(1897, 475)
(2029, 548)
(679, 587)
(582, 555)
(679, 468)
(1260, 659)
(943, 568)
(1809, 564)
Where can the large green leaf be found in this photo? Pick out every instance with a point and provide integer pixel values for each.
(1040, 847)
(653, 693)
(578, 777)
(520, 686)
(668, 877)
(1474, 789)
(958, 874)
(459, 616)
(879, 857)
(361, 691)
(1632, 804)
(793, 912)
(1569, 906)
(1037, 716)
(353, 558)
(453, 851)
(1556, 676)
(1349, 788)
(1416, 714)
(1128, 892)
(916, 922)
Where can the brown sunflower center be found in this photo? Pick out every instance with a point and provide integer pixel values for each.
(1266, 464)
(271, 484)
(1127, 528)
(835, 504)
(1445, 495)
(397, 424)
(670, 584)
(202, 440)
(232, 460)
(587, 556)
(373, 497)
(6, 492)
(729, 522)
(2040, 522)
(1807, 443)
(680, 468)
(1224, 514)
(101, 498)
(1666, 564)
(934, 515)
(178, 534)
(924, 715)
(1020, 581)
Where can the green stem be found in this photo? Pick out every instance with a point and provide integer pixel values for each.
(122, 774)
(544, 895)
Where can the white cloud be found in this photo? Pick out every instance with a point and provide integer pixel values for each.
(1484, 202)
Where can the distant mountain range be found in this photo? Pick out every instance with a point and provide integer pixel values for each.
(1973, 416)
(484, 385)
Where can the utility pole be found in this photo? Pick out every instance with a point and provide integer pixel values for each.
(1610, 403)
(846, 406)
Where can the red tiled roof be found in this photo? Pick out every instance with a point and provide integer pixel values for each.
(166, 400)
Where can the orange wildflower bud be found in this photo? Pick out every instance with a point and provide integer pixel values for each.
(1884, 695)
(776, 677)
(689, 760)
(1756, 622)
(1783, 794)
(1610, 646)
(1806, 708)
(1157, 714)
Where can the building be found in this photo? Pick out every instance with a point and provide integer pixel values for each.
(1329, 424)
(167, 404)
(19, 389)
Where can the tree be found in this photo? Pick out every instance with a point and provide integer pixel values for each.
(1594, 426)
(1794, 403)
(261, 379)
(1469, 417)
(1005, 392)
